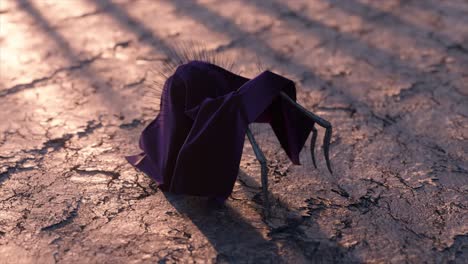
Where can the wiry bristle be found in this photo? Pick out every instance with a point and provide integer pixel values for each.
(184, 52)
(261, 67)
(181, 53)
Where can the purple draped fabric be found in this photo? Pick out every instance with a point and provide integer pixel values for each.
(194, 146)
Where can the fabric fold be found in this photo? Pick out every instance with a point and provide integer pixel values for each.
(195, 144)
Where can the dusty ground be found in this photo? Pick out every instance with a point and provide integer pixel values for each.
(391, 76)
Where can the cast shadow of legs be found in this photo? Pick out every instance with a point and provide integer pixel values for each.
(233, 237)
(237, 240)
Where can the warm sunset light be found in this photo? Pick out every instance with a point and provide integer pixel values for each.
(233, 131)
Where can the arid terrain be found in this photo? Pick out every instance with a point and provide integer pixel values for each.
(391, 76)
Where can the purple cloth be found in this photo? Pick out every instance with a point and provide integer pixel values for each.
(194, 146)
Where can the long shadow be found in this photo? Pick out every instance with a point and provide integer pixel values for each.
(369, 13)
(350, 44)
(233, 237)
(125, 20)
(220, 24)
(403, 69)
(400, 68)
(442, 6)
(262, 49)
(215, 23)
(67, 52)
(46, 27)
(238, 241)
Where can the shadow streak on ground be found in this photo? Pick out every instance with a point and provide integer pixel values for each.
(223, 25)
(385, 61)
(236, 240)
(368, 13)
(351, 45)
(69, 53)
(45, 26)
(233, 237)
(399, 68)
(132, 25)
(215, 23)
(437, 6)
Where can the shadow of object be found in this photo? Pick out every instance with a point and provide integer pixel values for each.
(233, 237)
(237, 240)
(388, 19)
(110, 97)
(125, 20)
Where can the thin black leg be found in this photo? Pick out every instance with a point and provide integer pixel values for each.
(312, 145)
(262, 160)
(321, 122)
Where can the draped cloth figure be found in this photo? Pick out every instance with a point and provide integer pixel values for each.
(194, 146)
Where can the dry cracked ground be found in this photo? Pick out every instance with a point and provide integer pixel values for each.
(391, 76)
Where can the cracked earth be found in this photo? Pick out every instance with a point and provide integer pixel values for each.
(391, 76)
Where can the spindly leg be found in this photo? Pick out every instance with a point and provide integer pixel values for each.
(312, 145)
(321, 122)
(261, 159)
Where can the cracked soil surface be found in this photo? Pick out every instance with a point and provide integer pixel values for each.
(391, 76)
